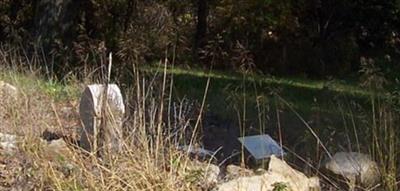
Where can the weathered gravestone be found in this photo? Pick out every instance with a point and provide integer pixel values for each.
(102, 120)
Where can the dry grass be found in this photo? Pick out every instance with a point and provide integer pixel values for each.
(149, 159)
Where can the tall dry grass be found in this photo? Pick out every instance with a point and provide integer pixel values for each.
(149, 158)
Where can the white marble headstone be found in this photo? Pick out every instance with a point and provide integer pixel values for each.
(90, 112)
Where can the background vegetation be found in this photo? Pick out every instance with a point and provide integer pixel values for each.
(310, 38)
(269, 54)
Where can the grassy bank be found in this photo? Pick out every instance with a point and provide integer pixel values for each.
(303, 94)
(150, 153)
(343, 87)
(343, 116)
(48, 106)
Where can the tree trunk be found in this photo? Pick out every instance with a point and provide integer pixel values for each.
(201, 28)
(54, 20)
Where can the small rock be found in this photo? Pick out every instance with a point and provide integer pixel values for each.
(8, 143)
(58, 146)
(356, 167)
(279, 174)
(8, 147)
(209, 173)
(8, 89)
(8, 138)
(56, 149)
(233, 171)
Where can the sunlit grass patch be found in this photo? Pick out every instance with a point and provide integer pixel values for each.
(31, 83)
(333, 85)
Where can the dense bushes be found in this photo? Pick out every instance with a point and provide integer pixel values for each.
(307, 37)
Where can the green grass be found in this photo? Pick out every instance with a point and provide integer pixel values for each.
(334, 85)
(59, 91)
(303, 94)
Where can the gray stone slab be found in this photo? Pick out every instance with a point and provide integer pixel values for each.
(261, 146)
(90, 110)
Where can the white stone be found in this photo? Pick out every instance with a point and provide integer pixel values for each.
(9, 147)
(211, 174)
(8, 143)
(8, 138)
(90, 112)
(357, 168)
(278, 173)
(7, 90)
